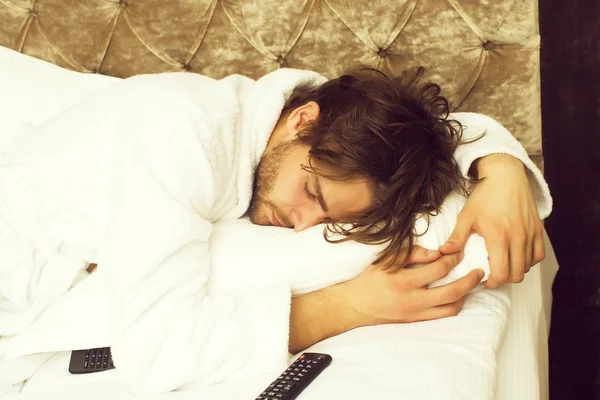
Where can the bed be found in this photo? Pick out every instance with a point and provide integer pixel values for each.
(372, 371)
(484, 54)
(496, 348)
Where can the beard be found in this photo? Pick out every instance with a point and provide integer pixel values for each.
(264, 181)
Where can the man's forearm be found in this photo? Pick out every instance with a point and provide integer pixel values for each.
(499, 162)
(320, 315)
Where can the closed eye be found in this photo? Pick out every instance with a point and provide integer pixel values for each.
(308, 193)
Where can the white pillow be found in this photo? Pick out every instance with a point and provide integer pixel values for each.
(244, 255)
(32, 90)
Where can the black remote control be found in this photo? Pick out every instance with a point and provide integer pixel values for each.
(90, 360)
(296, 377)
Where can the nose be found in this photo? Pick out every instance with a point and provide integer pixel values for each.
(304, 219)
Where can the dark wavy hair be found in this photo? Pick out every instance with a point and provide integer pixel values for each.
(394, 131)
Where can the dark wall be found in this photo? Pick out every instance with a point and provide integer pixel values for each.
(570, 63)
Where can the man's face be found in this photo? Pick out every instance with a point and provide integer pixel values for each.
(286, 195)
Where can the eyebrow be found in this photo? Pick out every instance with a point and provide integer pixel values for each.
(319, 194)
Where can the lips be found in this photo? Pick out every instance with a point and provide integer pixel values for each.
(274, 219)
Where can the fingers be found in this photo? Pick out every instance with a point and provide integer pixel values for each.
(529, 255)
(421, 255)
(455, 291)
(539, 247)
(518, 256)
(498, 257)
(525, 252)
(447, 310)
(460, 235)
(431, 272)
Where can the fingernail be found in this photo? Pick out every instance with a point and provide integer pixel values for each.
(461, 255)
(432, 252)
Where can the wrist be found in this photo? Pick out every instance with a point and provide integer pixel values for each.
(493, 164)
(320, 315)
(343, 298)
(358, 310)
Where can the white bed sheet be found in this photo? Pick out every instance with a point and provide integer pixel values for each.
(367, 361)
(523, 360)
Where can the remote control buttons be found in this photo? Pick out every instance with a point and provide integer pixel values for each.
(98, 359)
(90, 360)
(296, 377)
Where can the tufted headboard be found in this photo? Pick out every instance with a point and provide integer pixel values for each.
(485, 54)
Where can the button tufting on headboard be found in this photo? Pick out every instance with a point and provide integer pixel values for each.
(253, 37)
(382, 53)
(282, 62)
(489, 46)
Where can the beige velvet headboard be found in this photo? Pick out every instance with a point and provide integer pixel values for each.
(484, 53)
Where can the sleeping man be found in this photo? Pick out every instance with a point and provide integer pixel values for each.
(133, 178)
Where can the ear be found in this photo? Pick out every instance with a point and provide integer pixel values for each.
(299, 117)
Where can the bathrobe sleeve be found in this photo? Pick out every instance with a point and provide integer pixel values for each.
(166, 329)
(497, 139)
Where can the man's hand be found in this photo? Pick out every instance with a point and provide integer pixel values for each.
(379, 296)
(502, 210)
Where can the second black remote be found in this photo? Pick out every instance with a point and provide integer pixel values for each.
(296, 377)
(90, 360)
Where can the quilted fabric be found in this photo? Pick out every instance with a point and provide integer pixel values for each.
(484, 53)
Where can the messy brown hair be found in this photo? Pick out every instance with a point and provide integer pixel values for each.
(394, 131)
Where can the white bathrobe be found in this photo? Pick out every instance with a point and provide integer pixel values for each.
(133, 179)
